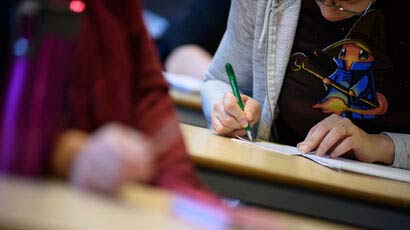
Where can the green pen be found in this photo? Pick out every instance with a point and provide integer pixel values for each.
(235, 90)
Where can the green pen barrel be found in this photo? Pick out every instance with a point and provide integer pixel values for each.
(234, 84)
(235, 90)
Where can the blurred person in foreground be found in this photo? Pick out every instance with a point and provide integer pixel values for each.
(85, 99)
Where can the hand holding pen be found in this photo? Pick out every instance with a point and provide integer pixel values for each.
(228, 118)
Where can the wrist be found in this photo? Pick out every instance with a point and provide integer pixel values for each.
(66, 149)
(385, 147)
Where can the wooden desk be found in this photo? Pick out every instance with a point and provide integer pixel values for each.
(189, 108)
(53, 205)
(189, 100)
(263, 178)
(251, 218)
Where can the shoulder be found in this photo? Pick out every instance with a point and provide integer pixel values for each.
(245, 7)
(242, 17)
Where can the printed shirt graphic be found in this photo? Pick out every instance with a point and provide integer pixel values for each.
(351, 90)
(343, 68)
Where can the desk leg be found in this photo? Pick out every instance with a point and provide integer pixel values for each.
(302, 201)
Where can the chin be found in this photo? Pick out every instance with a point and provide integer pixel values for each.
(335, 18)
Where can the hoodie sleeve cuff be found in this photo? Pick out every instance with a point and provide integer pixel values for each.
(401, 149)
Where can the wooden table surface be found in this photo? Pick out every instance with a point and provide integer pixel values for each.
(55, 205)
(189, 100)
(213, 151)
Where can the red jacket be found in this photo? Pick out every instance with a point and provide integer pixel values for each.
(107, 72)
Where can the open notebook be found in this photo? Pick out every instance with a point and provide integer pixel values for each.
(336, 163)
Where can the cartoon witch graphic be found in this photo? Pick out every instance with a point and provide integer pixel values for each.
(350, 90)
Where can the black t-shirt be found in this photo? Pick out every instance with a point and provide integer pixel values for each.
(371, 89)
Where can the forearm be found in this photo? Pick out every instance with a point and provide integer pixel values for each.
(66, 149)
(236, 48)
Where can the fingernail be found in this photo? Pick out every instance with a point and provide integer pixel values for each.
(302, 148)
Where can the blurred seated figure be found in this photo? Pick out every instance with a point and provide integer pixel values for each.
(192, 38)
(85, 99)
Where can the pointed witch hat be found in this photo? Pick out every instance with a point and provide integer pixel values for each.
(368, 34)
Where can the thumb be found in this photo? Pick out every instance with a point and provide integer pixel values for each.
(252, 110)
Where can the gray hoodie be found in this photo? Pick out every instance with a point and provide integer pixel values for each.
(258, 42)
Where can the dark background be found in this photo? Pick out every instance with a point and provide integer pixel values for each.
(166, 8)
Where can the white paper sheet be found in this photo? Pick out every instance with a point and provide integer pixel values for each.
(365, 168)
(183, 82)
(336, 163)
(283, 149)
